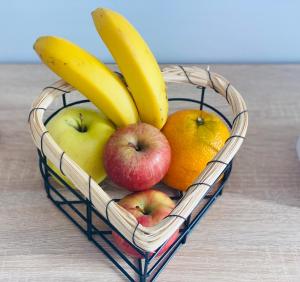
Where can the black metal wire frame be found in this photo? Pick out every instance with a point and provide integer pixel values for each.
(150, 265)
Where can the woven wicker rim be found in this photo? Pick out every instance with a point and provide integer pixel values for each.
(146, 238)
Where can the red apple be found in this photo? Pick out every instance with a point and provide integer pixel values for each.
(137, 156)
(149, 208)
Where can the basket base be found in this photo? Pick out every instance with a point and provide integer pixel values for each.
(98, 229)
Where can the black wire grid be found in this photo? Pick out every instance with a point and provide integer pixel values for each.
(82, 213)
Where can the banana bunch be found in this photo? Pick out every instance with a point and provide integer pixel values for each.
(143, 97)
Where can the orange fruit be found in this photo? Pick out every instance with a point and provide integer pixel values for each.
(195, 138)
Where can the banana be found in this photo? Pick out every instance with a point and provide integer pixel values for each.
(137, 64)
(89, 76)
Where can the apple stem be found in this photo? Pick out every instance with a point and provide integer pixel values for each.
(139, 209)
(81, 127)
(136, 147)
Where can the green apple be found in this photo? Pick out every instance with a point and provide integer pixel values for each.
(82, 134)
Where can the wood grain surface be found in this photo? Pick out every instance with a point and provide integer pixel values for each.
(252, 233)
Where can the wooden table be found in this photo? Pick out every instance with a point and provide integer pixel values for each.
(252, 233)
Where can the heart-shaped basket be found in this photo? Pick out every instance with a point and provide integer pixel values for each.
(148, 239)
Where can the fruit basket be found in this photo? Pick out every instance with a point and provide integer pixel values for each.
(89, 204)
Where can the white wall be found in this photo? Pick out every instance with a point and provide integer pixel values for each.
(190, 31)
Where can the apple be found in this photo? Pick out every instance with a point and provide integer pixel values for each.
(137, 157)
(149, 208)
(82, 134)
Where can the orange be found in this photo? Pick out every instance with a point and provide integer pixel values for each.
(195, 138)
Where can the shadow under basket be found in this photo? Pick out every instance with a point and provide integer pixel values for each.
(94, 220)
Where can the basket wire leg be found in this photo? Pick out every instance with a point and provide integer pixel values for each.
(202, 97)
(89, 223)
(143, 267)
(46, 184)
(225, 176)
(64, 101)
(45, 172)
(221, 192)
(186, 224)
